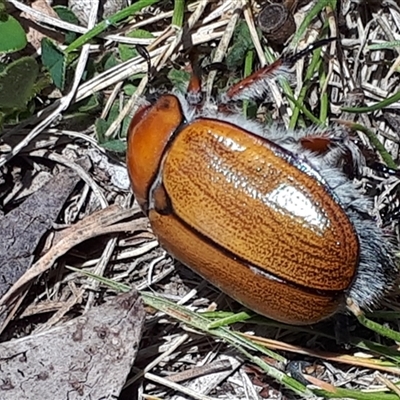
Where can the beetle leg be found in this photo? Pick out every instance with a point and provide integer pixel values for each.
(255, 85)
(331, 146)
(317, 143)
(384, 169)
(193, 93)
(342, 329)
(337, 148)
(296, 369)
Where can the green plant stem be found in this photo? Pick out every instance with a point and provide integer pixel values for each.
(103, 25)
(314, 65)
(382, 330)
(248, 69)
(232, 319)
(323, 113)
(385, 45)
(375, 107)
(179, 12)
(301, 107)
(340, 393)
(314, 12)
(376, 143)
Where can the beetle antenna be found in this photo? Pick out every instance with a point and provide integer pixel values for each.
(291, 59)
(146, 55)
(255, 85)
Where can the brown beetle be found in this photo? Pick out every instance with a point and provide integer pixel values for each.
(256, 211)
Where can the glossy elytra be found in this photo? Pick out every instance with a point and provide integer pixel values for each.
(264, 214)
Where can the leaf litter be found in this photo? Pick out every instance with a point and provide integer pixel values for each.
(100, 231)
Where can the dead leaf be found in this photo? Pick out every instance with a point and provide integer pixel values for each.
(36, 32)
(86, 358)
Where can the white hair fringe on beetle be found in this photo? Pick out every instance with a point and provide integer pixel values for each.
(377, 270)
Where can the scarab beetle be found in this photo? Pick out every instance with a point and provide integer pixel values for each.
(256, 210)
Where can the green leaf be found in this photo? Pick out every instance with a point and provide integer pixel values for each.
(17, 82)
(126, 51)
(242, 43)
(14, 116)
(83, 114)
(12, 35)
(90, 104)
(129, 89)
(110, 61)
(43, 82)
(68, 16)
(53, 59)
(114, 112)
(116, 146)
(140, 34)
(125, 126)
(101, 127)
(2, 117)
(77, 121)
(179, 79)
(137, 76)
(3, 11)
